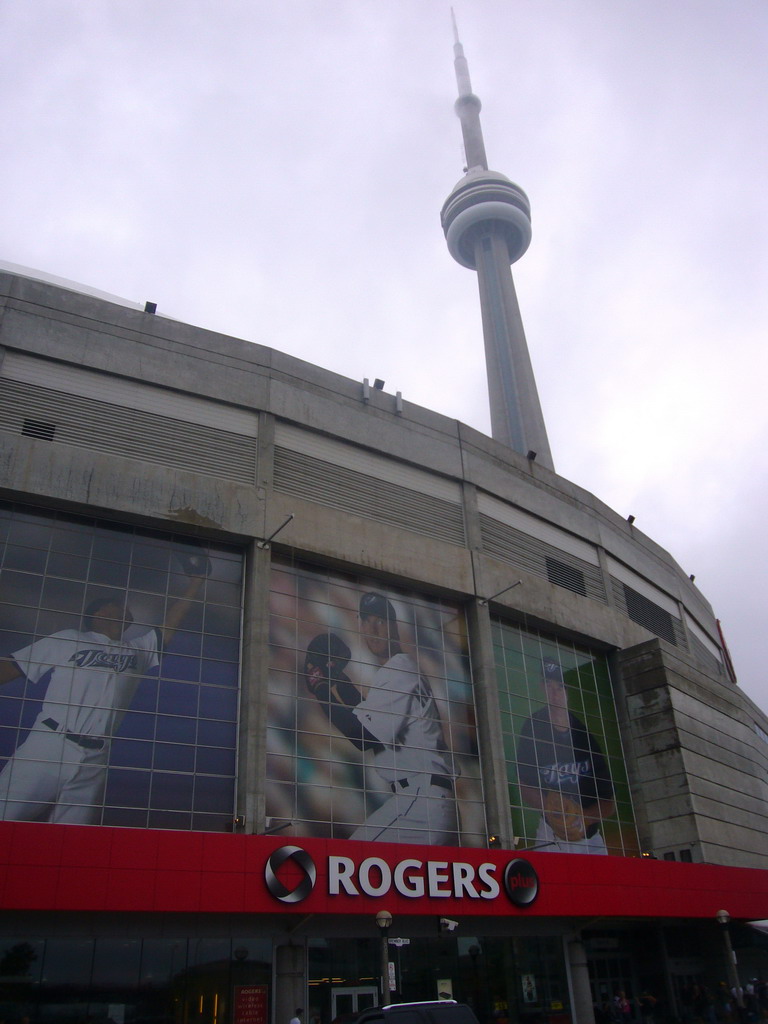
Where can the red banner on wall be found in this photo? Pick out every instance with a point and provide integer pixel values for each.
(250, 1004)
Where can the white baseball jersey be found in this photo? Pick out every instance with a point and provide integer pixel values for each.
(400, 711)
(93, 679)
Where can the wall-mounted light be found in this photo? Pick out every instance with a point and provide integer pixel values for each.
(531, 455)
(378, 384)
(150, 307)
(630, 519)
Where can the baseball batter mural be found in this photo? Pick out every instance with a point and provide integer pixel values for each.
(59, 772)
(563, 773)
(385, 745)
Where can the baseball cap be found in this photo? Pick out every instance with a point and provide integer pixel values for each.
(552, 671)
(376, 604)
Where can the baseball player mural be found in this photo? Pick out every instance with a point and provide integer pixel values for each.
(388, 677)
(59, 772)
(563, 773)
(399, 722)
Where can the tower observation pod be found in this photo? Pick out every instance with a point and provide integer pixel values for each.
(487, 224)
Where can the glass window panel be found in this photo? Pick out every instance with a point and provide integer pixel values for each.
(217, 702)
(169, 819)
(153, 553)
(64, 594)
(177, 698)
(25, 587)
(171, 791)
(175, 757)
(112, 544)
(131, 753)
(116, 962)
(145, 698)
(21, 959)
(63, 563)
(215, 761)
(137, 725)
(215, 734)
(221, 648)
(125, 818)
(175, 730)
(212, 794)
(110, 574)
(219, 674)
(26, 559)
(72, 539)
(149, 579)
(29, 531)
(222, 620)
(212, 822)
(161, 961)
(68, 962)
(127, 788)
(177, 666)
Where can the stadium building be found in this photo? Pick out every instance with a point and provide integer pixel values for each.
(309, 692)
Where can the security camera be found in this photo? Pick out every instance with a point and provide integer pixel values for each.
(447, 925)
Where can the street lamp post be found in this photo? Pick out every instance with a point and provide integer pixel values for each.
(383, 922)
(723, 917)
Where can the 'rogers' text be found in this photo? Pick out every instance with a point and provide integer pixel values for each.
(416, 878)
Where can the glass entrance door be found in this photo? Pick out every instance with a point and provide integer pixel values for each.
(350, 1000)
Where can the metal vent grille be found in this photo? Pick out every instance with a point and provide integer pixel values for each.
(648, 614)
(566, 576)
(38, 429)
(541, 559)
(367, 496)
(130, 433)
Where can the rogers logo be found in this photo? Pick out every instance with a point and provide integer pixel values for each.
(303, 861)
(521, 882)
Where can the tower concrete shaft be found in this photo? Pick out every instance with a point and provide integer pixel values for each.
(487, 224)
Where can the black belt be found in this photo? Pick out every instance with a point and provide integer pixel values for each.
(434, 780)
(82, 741)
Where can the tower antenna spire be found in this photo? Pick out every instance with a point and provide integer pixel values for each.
(468, 106)
(487, 225)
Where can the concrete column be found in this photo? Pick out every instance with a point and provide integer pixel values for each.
(581, 994)
(290, 991)
(255, 659)
(495, 785)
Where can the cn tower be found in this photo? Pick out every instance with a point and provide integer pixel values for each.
(487, 225)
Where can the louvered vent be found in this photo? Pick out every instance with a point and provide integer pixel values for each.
(367, 496)
(565, 576)
(541, 559)
(130, 433)
(38, 429)
(650, 615)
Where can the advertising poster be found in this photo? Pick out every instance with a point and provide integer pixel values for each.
(250, 1004)
(119, 674)
(371, 719)
(563, 747)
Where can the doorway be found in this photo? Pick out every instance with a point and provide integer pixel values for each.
(351, 1000)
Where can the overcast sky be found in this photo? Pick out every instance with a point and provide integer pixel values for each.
(275, 171)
